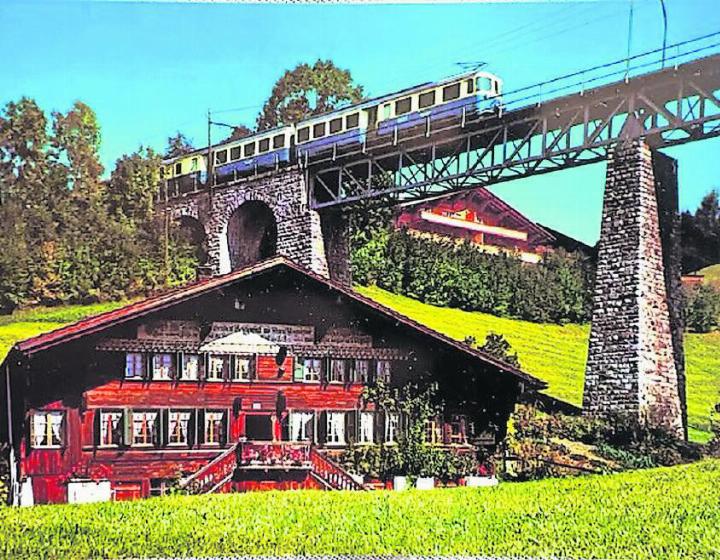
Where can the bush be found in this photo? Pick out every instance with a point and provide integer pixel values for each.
(701, 308)
(461, 275)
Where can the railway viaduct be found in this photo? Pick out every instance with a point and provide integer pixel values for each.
(635, 363)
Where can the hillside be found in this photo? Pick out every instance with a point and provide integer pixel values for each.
(557, 354)
(711, 274)
(553, 353)
(655, 513)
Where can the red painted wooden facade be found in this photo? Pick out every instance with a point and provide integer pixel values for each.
(80, 412)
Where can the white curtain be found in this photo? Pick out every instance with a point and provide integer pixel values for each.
(366, 427)
(336, 427)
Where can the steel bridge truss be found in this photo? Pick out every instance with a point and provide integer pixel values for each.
(668, 107)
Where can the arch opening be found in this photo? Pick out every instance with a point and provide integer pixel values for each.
(251, 234)
(192, 232)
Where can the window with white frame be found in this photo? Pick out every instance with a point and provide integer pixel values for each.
(242, 370)
(336, 428)
(367, 427)
(338, 368)
(214, 429)
(190, 367)
(217, 366)
(301, 425)
(162, 366)
(145, 428)
(312, 368)
(134, 365)
(362, 371)
(392, 427)
(382, 371)
(178, 426)
(110, 428)
(46, 428)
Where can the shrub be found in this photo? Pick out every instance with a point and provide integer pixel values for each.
(701, 308)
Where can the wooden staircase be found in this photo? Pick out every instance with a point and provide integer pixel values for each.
(331, 475)
(214, 477)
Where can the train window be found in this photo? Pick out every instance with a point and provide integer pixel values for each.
(470, 86)
(194, 164)
(335, 125)
(178, 168)
(352, 121)
(403, 106)
(427, 99)
(264, 145)
(484, 84)
(278, 141)
(387, 111)
(303, 134)
(235, 153)
(249, 149)
(451, 92)
(319, 130)
(221, 156)
(162, 172)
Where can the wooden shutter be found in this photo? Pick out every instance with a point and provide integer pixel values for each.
(127, 426)
(322, 427)
(163, 427)
(203, 366)
(96, 426)
(147, 370)
(351, 426)
(379, 426)
(224, 429)
(192, 428)
(324, 363)
(159, 428)
(200, 433)
(298, 374)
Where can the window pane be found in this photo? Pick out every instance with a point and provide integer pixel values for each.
(191, 367)
(362, 368)
(216, 369)
(319, 130)
(134, 363)
(214, 426)
(387, 111)
(403, 106)
(46, 429)
(221, 157)
(337, 371)
(300, 425)
(264, 145)
(178, 422)
(427, 99)
(382, 371)
(278, 141)
(249, 149)
(311, 369)
(194, 164)
(235, 153)
(392, 422)
(110, 428)
(243, 369)
(162, 367)
(178, 168)
(484, 85)
(303, 134)
(451, 92)
(335, 125)
(470, 86)
(367, 427)
(352, 121)
(336, 427)
(144, 428)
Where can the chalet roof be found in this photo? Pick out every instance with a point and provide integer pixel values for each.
(98, 323)
(482, 197)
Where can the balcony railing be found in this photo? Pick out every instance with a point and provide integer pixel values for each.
(274, 455)
(213, 475)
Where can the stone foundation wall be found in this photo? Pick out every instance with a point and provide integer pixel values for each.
(632, 367)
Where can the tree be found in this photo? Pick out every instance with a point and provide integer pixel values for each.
(700, 234)
(500, 349)
(702, 308)
(178, 145)
(239, 132)
(306, 91)
(133, 183)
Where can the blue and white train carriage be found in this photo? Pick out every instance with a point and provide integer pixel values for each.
(467, 95)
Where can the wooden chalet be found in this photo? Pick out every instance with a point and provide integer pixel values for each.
(481, 218)
(249, 380)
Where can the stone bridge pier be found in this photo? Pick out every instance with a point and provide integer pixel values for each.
(635, 361)
(262, 216)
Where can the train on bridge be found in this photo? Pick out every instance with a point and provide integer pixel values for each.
(465, 96)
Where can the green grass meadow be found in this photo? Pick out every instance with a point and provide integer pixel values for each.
(557, 353)
(656, 513)
(711, 274)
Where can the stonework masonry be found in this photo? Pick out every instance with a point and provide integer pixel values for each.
(635, 365)
(302, 235)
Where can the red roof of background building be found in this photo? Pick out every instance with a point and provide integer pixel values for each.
(97, 323)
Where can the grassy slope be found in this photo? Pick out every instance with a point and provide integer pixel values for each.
(557, 353)
(656, 513)
(712, 275)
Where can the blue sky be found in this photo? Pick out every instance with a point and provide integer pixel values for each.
(151, 68)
